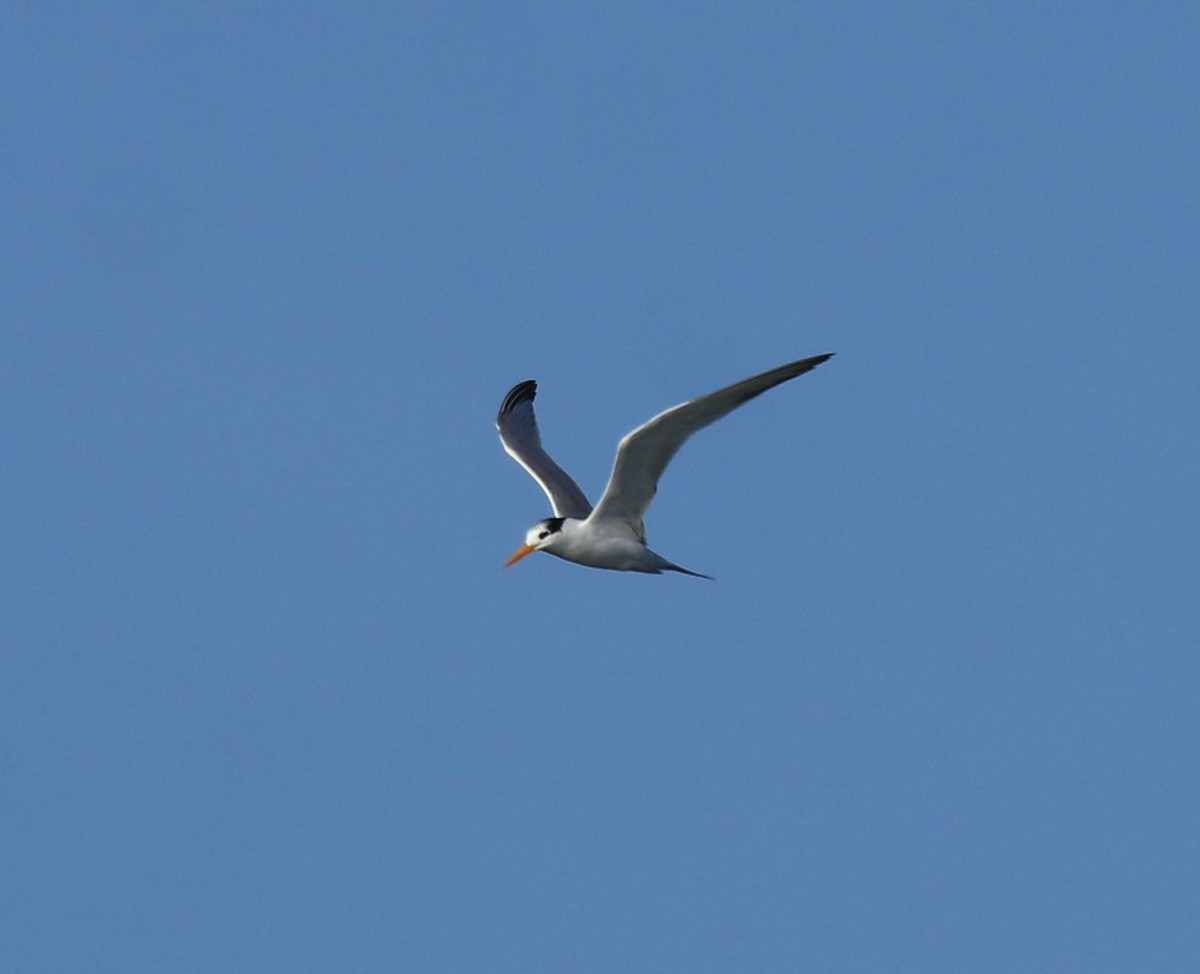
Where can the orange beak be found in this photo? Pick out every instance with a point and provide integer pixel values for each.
(518, 555)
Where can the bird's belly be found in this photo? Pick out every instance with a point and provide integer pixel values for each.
(619, 554)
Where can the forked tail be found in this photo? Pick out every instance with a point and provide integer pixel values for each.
(686, 571)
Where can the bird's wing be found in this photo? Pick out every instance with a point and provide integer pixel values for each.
(521, 440)
(643, 454)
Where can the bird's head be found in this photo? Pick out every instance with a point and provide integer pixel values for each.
(541, 535)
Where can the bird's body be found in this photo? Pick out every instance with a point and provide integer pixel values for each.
(604, 543)
(613, 535)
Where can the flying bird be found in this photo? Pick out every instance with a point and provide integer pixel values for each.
(612, 535)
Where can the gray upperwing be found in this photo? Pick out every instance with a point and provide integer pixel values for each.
(643, 454)
(521, 440)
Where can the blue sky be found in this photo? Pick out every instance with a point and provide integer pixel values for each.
(267, 701)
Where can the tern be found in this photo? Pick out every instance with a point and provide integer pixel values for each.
(612, 534)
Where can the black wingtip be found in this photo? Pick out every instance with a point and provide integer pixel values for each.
(522, 392)
(810, 363)
(782, 374)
